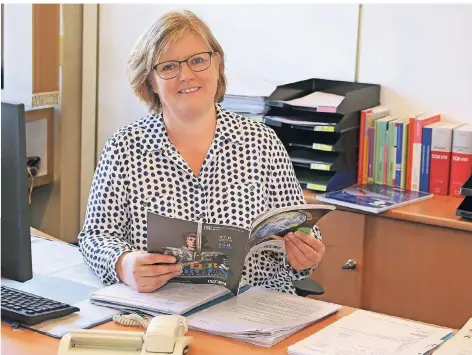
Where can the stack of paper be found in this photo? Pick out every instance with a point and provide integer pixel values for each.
(261, 316)
(253, 107)
(317, 99)
(367, 333)
(172, 298)
(460, 344)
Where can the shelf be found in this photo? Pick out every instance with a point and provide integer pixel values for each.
(33, 116)
(42, 180)
(439, 211)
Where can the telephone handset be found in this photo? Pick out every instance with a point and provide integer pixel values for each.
(164, 335)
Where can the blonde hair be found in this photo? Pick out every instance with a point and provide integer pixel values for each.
(155, 41)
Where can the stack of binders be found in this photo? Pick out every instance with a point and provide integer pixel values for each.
(318, 122)
(465, 208)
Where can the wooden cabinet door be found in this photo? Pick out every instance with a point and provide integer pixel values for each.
(418, 271)
(343, 236)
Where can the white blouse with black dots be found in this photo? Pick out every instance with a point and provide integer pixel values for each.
(245, 172)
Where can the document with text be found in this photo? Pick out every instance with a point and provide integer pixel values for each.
(261, 316)
(367, 333)
(460, 344)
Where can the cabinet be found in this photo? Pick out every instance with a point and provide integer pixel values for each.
(418, 271)
(40, 142)
(343, 237)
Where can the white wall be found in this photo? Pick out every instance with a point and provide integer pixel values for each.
(420, 54)
(18, 64)
(265, 45)
(422, 57)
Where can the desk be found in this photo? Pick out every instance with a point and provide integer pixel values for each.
(413, 262)
(26, 342)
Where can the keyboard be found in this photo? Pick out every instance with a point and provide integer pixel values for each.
(29, 309)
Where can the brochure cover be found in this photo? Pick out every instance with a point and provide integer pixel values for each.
(375, 198)
(215, 254)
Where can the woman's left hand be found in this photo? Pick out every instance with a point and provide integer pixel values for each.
(303, 250)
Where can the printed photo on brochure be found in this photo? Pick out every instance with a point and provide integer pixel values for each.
(214, 253)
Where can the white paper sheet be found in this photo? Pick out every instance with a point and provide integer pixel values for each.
(79, 273)
(460, 344)
(50, 256)
(316, 99)
(297, 122)
(89, 314)
(368, 333)
(261, 316)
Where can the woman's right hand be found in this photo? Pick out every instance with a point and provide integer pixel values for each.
(138, 270)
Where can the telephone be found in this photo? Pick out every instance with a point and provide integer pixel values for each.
(164, 335)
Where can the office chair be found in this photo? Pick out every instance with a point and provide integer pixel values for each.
(311, 287)
(307, 287)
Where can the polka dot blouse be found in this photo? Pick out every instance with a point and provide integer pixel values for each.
(245, 172)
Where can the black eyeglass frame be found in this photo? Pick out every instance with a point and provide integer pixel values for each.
(210, 53)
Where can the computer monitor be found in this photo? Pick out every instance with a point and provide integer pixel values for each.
(15, 214)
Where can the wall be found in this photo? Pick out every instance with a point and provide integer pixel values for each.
(421, 55)
(18, 68)
(55, 207)
(265, 45)
(18, 87)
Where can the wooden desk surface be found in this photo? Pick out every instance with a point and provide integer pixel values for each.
(438, 211)
(26, 342)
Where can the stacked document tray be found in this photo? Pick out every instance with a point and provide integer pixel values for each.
(318, 122)
(465, 208)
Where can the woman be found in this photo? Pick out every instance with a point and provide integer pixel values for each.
(189, 159)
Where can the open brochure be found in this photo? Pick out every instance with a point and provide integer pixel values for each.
(214, 253)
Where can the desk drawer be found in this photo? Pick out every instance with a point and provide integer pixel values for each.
(343, 236)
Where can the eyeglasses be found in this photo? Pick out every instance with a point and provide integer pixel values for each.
(197, 62)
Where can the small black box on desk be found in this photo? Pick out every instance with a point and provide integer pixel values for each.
(465, 208)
